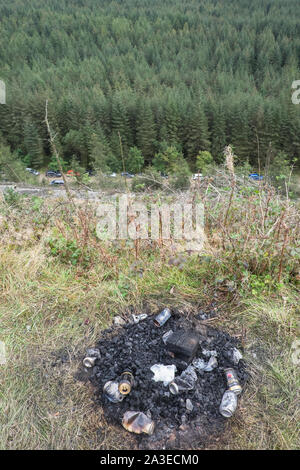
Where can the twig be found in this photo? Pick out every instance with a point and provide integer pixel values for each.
(282, 252)
(230, 165)
(52, 143)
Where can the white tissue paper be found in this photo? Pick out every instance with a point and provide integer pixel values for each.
(165, 374)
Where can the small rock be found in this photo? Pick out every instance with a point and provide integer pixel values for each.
(183, 420)
(207, 353)
(93, 352)
(189, 405)
(118, 321)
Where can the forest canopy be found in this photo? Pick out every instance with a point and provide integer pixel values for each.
(188, 74)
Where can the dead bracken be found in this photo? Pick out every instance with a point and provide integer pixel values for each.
(181, 410)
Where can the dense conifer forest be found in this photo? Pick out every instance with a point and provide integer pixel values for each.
(194, 75)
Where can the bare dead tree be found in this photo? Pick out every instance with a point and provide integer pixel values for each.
(55, 151)
(230, 166)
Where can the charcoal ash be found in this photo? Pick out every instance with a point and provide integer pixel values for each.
(207, 313)
(137, 347)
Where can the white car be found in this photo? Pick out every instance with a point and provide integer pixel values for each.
(197, 176)
(59, 182)
(33, 172)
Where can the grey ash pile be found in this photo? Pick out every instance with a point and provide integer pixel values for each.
(189, 416)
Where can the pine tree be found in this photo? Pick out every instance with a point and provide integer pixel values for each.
(120, 125)
(218, 132)
(135, 160)
(33, 144)
(101, 156)
(197, 136)
(145, 131)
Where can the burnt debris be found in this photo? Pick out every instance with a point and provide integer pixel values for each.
(183, 344)
(136, 347)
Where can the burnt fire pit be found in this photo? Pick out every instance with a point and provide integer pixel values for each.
(188, 419)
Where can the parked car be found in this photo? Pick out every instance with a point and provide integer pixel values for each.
(197, 176)
(52, 173)
(32, 171)
(57, 182)
(72, 173)
(256, 176)
(112, 175)
(127, 175)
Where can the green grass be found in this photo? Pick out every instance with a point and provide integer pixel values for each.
(269, 415)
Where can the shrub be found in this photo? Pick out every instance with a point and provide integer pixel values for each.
(66, 250)
(167, 160)
(107, 183)
(12, 197)
(135, 160)
(203, 160)
(11, 166)
(181, 177)
(279, 169)
(150, 180)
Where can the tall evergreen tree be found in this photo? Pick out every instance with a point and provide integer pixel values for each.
(33, 144)
(145, 131)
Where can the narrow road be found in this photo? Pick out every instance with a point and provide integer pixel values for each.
(49, 191)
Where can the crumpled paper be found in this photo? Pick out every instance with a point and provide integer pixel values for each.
(200, 364)
(236, 356)
(162, 373)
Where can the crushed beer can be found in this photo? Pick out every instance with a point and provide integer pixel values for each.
(91, 355)
(138, 422)
(162, 317)
(137, 318)
(185, 381)
(228, 404)
(126, 383)
(89, 362)
(111, 391)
